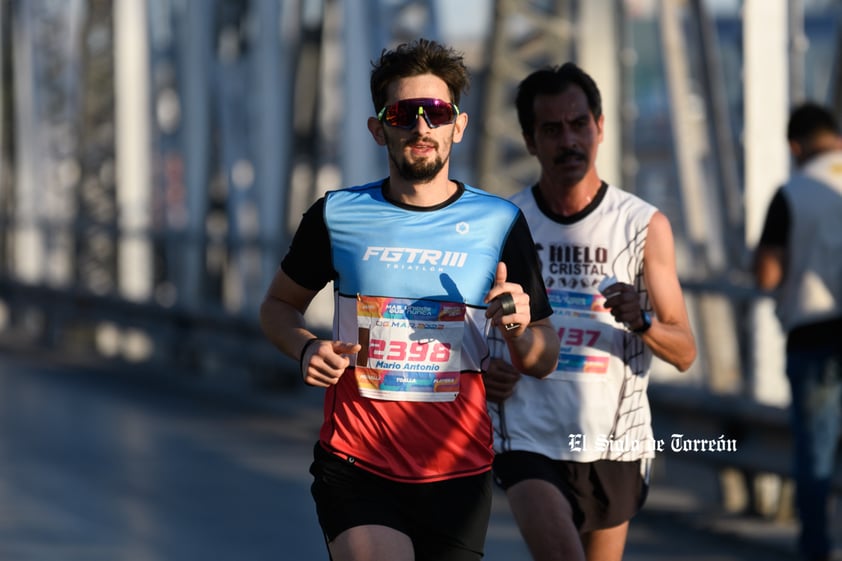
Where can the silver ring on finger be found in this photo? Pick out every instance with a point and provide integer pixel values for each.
(507, 308)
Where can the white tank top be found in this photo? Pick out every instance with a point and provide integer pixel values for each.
(813, 281)
(594, 406)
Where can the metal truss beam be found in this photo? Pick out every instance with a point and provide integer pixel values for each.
(524, 36)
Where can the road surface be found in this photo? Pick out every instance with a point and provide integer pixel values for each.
(115, 464)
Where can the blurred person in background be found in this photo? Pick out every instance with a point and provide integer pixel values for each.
(423, 268)
(799, 257)
(574, 449)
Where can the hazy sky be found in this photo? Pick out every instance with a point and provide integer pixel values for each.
(470, 18)
(467, 18)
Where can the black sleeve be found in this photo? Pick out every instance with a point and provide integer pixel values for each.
(521, 259)
(776, 229)
(308, 261)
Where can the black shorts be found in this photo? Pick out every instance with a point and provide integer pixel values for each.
(602, 494)
(446, 520)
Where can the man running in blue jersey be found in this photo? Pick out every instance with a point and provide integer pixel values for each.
(423, 268)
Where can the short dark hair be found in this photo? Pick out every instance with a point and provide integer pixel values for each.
(422, 56)
(550, 81)
(809, 119)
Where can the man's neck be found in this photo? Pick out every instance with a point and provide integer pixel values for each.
(567, 200)
(429, 194)
(806, 150)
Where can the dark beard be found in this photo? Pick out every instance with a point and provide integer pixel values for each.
(421, 172)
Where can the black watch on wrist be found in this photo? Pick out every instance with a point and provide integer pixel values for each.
(647, 323)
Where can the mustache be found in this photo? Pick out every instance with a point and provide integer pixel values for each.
(567, 155)
(418, 139)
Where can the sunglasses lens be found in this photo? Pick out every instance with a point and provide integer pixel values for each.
(439, 114)
(401, 115)
(404, 113)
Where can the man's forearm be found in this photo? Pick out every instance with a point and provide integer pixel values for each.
(535, 352)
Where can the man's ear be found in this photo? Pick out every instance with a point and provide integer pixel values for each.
(375, 127)
(459, 127)
(600, 124)
(794, 149)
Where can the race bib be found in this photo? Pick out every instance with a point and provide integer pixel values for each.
(411, 349)
(585, 333)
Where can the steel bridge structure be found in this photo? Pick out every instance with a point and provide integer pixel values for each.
(156, 155)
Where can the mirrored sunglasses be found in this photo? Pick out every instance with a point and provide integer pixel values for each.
(404, 113)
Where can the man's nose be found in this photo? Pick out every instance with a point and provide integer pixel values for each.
(567, 138)
(421, 122)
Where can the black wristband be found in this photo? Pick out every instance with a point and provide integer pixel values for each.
(647, 323)
(303, 352)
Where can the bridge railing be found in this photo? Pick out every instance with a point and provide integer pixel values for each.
(80, 324)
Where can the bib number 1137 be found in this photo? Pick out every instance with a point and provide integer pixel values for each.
(575, 337)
